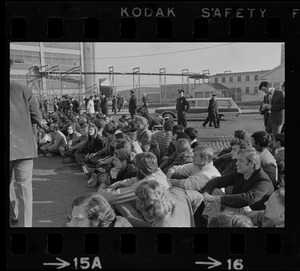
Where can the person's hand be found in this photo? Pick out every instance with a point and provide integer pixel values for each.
(170, 172)
(210, 198)
(92, 155)
(269, 106)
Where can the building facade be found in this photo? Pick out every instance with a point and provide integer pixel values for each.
(39, 64)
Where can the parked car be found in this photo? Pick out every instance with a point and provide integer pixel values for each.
(198, 109)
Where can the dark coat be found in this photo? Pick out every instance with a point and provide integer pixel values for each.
(253, 192)
(182, 105)
(278, 104)
(24, 112)
(132, 106)
(104, 106)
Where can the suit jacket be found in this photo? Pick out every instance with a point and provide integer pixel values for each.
(24, 112)
(265, 111)
(212, 106)
(278, 104)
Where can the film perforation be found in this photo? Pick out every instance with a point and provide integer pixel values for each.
(18, 243)
(18, 28)
(200, 28)
(55, 243)
(200, 243)
(91, 28)
(128, 28)
(91, 243)
(237, 243)
(164, 28)
(273, 30)
(164, 243)
(55, 27)
(128, 243)
(273, 243)
(237, 28)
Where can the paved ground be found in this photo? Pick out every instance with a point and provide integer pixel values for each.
(56, 184)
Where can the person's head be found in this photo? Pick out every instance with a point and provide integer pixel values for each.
(70, 128)
(131, 92)
(181, 92)
(228, 219)
(55, 127)
(168, 125)
(191, 133)
(177, 135)
(84, 129)
(146, 164)
(265, 87)
(182, 145)
(275, 206)
(91, 210)
(153, 200)
(92, 130)
(279, 140)
(202, 155)
(283, 87)
(122, 158)
(244, 135)
(107, 119)
(141, 122)
(82, 120)
(100, 123)
(109, 129)
(177, 127)
(237, 144)
(248, 160)
(91, 97)
(261, 140)
(214, 95)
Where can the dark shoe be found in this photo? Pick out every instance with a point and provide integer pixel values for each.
(203, 126)
(14, 221)
(217, 126)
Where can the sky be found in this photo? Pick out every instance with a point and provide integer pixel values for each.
(196, 57)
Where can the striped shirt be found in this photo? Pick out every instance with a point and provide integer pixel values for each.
(163, 139)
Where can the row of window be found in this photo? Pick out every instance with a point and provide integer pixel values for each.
(33, 58)
(237, 79)
(247, 90)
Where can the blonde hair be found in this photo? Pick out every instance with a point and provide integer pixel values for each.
(182, 145)
(142, 121)
(154, 200)
(252, 155)
(206, 153)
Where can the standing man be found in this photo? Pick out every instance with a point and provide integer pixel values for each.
(46, 107)
(212, 111)
(90, 109)
(104, 105)
(121, 102)
(144, 100)
(132, 104)
(97, 104)
(182, 106)
(24, 112)
(272, 108)
(113, 104)
(118, 102)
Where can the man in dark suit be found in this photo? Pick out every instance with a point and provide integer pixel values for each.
(132, 106)
(104, 105)
(182, 107)
(212, 112)
(272, 108)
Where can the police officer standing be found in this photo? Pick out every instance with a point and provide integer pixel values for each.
(182, 107)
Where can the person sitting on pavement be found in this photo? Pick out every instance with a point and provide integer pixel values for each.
(145, 137)
(251, 186)
(262, 142)
(72, 134)
(162, 207)
(77, 144)
(121, 194)
(92, 210)
(273, 215)
(93, 145)
(194, 176)
(279, 148)
(183, 155)
(123, 169)
(164, 137)
(171, 148)
(192, 136)
(152, 119)
(229, 219)
(58, 139)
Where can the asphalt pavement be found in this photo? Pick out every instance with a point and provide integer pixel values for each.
(55, 184)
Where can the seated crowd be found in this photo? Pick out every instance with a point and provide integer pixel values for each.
(142, 177)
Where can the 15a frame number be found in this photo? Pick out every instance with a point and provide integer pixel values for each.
(85, 263)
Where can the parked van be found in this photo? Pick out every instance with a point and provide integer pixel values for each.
(198, 109)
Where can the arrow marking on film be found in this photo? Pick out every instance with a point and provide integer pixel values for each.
(60, 265)
(212, 264)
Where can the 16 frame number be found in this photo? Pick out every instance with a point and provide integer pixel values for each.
(236, 264)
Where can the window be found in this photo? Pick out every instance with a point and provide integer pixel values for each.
(247, 90)
(207, 94)
(223, 79)
(255, 90)
(216, 80)
(247, 78)
(202, 103)
(239, 78)
(231, 79)
(224, 103)
(256, 77)
(198, 94)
